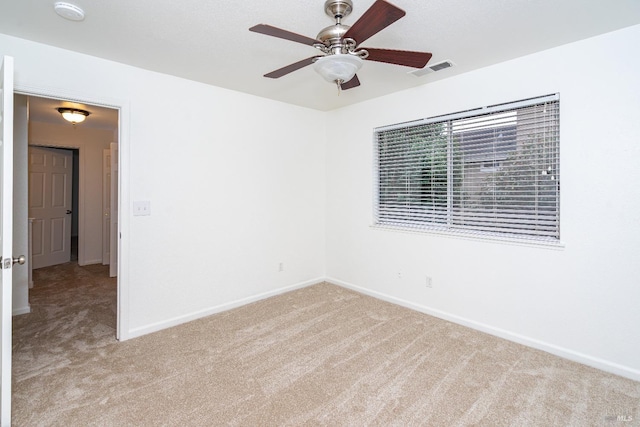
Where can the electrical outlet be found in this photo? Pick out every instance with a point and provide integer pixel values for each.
(281, 267)
(428, 283)
(399, 275)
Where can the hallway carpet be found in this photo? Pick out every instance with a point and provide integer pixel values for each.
(322, 355)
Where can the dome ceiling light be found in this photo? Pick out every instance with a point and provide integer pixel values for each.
(73, 115)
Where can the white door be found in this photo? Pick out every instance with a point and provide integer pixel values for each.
(50, 175)
(113, 214)
(6, 235)
(106, 206)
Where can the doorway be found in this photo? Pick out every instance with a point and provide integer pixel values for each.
(47, 128)
(85, 142)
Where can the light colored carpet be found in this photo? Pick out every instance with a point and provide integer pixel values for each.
(322, 355)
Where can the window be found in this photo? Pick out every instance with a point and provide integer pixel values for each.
(493, 171)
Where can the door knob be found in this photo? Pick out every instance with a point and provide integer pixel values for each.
(20, 260)
(68, 211)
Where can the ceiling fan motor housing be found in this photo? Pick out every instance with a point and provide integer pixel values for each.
(332, 35)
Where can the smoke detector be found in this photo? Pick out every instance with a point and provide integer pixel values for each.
(69, 11)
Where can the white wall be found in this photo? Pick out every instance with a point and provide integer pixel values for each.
(20, 207)
(90, 143)
(580, 301)
(236, 185)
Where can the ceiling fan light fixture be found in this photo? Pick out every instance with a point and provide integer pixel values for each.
(73, 115)
(338, 68)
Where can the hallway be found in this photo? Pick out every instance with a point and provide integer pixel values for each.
(73, 313)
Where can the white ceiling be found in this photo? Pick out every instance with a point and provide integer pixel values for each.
(209, 41)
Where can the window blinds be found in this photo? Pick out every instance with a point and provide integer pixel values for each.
(491, 171)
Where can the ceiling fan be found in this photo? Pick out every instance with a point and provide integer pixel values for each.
(340, 44)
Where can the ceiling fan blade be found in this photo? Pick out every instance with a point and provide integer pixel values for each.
(290, 68)
(378, 17)
(354, 82)
(283, 34)
(399, 57)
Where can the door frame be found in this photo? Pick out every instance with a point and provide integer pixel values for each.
(81, 154)
(122, 323)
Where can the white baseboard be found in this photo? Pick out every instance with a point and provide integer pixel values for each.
(585, 359)
(155, 327)
(23, 310)
(90, 262)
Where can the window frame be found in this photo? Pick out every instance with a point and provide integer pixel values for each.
(457, 231)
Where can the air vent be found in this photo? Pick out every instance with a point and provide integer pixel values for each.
(432, 68)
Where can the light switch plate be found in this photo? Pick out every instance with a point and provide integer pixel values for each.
(141, 208)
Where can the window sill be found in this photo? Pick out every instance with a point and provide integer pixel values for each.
(486, 238)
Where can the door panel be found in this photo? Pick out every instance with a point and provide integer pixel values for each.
(50, 175)
(36, 190)
(37, 238)
(59, 194)
(57, 235)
